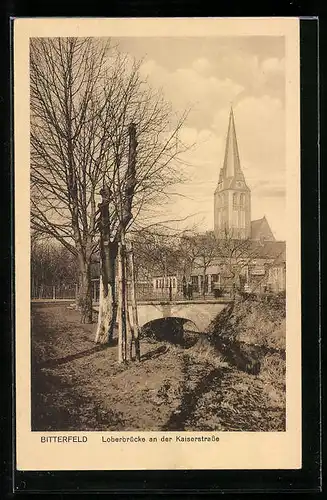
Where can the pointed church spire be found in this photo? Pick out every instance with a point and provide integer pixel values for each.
(232, 196)
(231, 165)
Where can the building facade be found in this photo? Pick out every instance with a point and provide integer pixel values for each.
(261, 268)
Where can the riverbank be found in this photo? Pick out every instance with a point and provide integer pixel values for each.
(78, 385)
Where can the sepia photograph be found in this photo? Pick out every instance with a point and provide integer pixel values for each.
(159, 228)
(158, 252)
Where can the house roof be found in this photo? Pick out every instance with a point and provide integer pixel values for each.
(254, 249)
(270, 250)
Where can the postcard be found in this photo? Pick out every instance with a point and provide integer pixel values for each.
(157, 243)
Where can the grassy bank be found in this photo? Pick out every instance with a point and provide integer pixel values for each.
(78, 385)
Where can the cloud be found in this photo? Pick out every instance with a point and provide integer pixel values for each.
(274, 208)
(201, 65)
(260, 129)
(257, 76)
(188, 88)
(279, 192)
(255, 85)
(273, 65)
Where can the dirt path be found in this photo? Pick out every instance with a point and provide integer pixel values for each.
(78, 385)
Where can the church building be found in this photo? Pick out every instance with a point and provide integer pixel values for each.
(263, 258)
(248, 255)
(232, 198)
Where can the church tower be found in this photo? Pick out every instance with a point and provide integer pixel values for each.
(232, 206)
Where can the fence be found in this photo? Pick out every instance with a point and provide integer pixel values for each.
(54, 292)
(144, 292)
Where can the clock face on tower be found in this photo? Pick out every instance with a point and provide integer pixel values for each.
(240, 184)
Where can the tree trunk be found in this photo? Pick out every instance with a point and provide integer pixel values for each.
(107, 315)
(76, 296)
(107, 300)
(85, 292)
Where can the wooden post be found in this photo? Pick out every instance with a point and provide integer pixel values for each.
(126, 324)
(125, 217)
(54, 292)
(121, 308)
(129, 331)
(135, 333)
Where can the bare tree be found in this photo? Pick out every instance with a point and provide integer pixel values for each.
(201, 251)
(158, 251)
(189, 252)
(67, 147)
(84, 95)
(235, 255)
(53, 268)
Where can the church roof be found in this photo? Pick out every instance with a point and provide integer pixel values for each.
(260, 229)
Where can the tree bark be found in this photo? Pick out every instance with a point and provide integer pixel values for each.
(85, 292)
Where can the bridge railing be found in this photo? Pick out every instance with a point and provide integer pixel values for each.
(146, 292)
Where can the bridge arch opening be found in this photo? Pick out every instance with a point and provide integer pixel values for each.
(175, 330)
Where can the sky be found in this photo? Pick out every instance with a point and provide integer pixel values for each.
(207, 75)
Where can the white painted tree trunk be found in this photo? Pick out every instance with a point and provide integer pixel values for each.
(105, 316)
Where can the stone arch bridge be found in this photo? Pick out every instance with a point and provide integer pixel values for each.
(199, 312)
